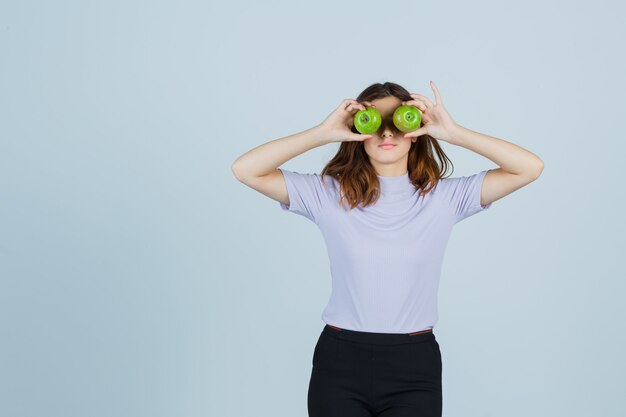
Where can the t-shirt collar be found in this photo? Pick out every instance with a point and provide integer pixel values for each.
(394, 184)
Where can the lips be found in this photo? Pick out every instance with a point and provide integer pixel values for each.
(386, 145)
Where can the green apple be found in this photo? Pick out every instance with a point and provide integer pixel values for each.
(407, 118)
(367, 121)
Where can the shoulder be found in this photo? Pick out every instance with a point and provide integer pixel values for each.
(462, 194)
(313, 181)
(453, 183)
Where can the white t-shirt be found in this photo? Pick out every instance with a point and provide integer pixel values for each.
(385, 259)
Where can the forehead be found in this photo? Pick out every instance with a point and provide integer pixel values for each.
(387, 104)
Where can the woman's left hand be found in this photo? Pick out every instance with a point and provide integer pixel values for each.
(436, 121)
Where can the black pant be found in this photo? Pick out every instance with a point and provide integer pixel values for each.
(363, 374)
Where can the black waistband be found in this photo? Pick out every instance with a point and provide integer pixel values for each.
(378, 338)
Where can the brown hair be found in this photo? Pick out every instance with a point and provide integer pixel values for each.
(356, 175)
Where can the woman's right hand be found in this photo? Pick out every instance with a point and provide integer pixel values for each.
(337, 126)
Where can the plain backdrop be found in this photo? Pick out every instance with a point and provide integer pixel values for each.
(138, 277)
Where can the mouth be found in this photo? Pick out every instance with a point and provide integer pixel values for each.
(387, 146)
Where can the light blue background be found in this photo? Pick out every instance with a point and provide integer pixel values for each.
(140, 278)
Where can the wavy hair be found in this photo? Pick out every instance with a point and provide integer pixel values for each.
(356, 175)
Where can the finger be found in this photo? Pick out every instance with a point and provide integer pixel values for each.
(419, 132)
(423, 98)
(348, 102)
(436, 91)
(418, 103)
(355, 107)
(359, 105)
(359, 137)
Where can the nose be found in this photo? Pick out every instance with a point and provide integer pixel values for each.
(387, 131)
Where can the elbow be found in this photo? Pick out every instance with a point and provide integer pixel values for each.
(537, 169)
(236, 171)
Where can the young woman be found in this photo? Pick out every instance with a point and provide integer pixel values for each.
(386, 212)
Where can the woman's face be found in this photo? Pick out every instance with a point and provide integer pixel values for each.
(393, 159)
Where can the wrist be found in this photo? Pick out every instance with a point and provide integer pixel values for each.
(456, 133)
(320, 135)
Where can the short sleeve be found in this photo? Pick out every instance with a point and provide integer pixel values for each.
(308, 194)
(462, 194)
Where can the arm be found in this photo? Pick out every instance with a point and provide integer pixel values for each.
(518, 167)
(258, 168)
(265, 158)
